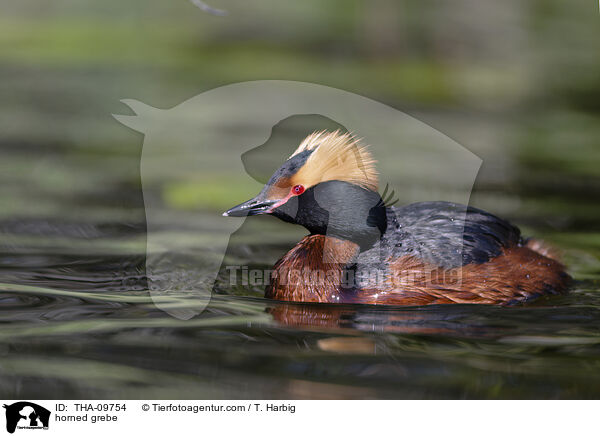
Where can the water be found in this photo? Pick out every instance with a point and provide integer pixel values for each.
(78, 323)
(514, 82)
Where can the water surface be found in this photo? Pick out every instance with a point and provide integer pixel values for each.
(515, 82)
(78, 322)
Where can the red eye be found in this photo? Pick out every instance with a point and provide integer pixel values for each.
(298, 189)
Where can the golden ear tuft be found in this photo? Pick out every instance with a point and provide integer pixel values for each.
(336, 156)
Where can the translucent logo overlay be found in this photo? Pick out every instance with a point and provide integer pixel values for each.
(192, 170)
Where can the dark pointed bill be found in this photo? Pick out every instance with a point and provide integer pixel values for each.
(254, 206)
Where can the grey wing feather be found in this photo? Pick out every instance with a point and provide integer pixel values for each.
(448, 234)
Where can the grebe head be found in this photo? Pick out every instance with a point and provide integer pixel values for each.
(329, 186)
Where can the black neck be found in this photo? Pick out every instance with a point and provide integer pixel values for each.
(338, 209)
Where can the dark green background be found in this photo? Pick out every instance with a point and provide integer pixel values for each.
(516, 82)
